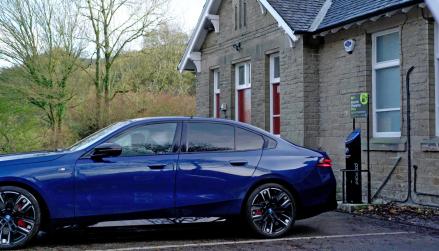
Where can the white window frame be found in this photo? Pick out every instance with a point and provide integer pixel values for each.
(216, 90)
(247, 85)
(273, 80)
(436, 67)
(378, 66)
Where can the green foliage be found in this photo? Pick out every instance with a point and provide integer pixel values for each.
(148, 84)
(20, 127)
(154, 67)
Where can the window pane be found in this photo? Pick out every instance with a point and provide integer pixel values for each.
(246, 140)
(241, 76)
(276, 71)
(248, 77)
(271, 143)
(388, 88)
(216, 80)
(388, 47)
(208, 137)
(147, 140)
(389, 121)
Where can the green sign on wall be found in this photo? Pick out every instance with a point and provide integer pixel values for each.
(359, 105)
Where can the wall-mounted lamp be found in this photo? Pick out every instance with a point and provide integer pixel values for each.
(209, 27)
(223, 108)
(237, 46)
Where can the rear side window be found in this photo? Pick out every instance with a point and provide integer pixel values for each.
(246, 140)
(210, 137)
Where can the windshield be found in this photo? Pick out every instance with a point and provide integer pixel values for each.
(93, 138)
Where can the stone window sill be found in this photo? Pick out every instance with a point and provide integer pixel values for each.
(430, 145)
(386, 144)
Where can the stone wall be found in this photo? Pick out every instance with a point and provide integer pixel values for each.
(317, 79)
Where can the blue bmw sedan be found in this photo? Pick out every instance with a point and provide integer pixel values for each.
(165, 168)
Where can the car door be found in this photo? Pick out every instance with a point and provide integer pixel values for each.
(140, 180)
(213, 172)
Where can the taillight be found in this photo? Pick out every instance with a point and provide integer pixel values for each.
(325, 163)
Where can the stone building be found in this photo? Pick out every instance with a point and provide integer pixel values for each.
(282, 65)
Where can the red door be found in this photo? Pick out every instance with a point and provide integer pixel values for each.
(217, 105)
(276, 108)
(244, 105)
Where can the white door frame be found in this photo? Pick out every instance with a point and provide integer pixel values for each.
(273, 80)
(247, 84)
(216, 90)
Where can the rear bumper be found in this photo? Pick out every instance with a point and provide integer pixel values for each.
(310, 211)
(316, 199)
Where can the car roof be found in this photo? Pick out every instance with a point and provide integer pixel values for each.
(198, 119)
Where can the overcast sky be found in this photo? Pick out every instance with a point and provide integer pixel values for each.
(185, 13)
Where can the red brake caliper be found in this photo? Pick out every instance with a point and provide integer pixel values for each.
(21, 223)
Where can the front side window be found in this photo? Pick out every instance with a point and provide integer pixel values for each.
(151, 139)
(386, 84)
(243, 92)
(210, 137)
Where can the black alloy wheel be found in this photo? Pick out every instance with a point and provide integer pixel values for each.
(271, 211)
(20, 217)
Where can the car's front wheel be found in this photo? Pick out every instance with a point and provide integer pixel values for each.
(20, 217)
(270, 210)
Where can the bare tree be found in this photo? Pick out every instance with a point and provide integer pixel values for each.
(41, 38)
(115, 25)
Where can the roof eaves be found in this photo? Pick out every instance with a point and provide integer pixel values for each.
(195, 35)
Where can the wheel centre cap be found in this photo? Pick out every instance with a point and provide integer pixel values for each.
(270, 211)
(8, 218)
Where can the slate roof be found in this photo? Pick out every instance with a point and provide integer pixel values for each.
(342, 11)
(300, 14)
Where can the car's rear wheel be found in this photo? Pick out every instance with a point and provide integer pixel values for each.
(270, 210)
(20, 217)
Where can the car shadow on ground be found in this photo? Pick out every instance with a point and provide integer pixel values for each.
(153, 234)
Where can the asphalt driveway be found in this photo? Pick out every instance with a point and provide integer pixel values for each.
(330, 231)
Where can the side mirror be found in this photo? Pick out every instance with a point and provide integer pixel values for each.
(106, 150)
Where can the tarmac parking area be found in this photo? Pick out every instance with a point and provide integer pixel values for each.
(329, 231)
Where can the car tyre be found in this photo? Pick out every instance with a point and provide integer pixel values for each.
(270, 211)
(20, 217)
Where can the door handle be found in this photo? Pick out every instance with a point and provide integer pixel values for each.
(238, 162)
(157, 166)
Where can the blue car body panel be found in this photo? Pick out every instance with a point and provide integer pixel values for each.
(75, 188)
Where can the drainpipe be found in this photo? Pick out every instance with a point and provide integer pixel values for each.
(409, 138)
(409, 152)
